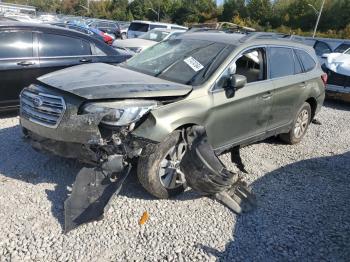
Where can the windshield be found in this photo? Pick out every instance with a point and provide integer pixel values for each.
(155, 35)
(185, 61)
(342, 48)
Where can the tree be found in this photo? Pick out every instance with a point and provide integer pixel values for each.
(260, 11)
(232, 8)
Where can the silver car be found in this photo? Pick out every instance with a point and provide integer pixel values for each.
(136, 45)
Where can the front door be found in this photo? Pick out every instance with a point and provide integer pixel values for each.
(18, 64)
(244, 116)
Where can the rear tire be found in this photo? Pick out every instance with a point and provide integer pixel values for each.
(158, 168)
(299, 127)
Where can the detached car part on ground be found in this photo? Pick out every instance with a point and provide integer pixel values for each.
(234, 87)
(337, 67)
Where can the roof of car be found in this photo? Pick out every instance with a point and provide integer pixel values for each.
(239, 39)
(25, 25)
(156, 23)
(214, 37)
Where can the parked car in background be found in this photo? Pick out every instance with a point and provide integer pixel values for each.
(337, 67)
(110, 27)
(3, 18)
(93, 32)
(323, 47)
(138, 28)
(28, 51)
(124, 26)
(136, 45)
(240, 89)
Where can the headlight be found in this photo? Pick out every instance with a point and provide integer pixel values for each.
(120, 113)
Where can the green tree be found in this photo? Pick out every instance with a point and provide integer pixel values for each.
(232, 8)
(260, 11)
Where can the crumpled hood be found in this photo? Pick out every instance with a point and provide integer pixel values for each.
(103, 81)
(339, 63)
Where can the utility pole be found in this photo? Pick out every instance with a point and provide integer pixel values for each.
(318, 17)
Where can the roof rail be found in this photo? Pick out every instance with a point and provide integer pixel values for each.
(270, 35)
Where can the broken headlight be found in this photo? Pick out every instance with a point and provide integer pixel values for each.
(120, 113)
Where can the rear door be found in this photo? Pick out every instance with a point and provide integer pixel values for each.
(18, 65)
(61, 51)
(287, 76)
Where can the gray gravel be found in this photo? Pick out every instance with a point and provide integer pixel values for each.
(303, 211)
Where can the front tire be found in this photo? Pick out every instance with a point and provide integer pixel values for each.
(300, 125)
(158, 168)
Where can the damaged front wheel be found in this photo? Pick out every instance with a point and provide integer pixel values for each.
(159, 170)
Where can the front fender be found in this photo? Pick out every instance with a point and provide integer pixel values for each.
(165, 119)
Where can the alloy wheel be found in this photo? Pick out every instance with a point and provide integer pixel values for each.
(170, 174)
(301, 123)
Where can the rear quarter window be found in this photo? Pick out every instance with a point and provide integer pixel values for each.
(141, 27)
(307, 61)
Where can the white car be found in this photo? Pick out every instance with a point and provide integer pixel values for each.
(337, 67)
(136, 45)
(138, 28)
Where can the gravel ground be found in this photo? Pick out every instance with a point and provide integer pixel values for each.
(303, 211)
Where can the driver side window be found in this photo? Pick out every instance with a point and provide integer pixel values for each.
(251, 64)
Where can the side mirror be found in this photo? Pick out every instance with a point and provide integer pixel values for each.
(234, 83)
(238, 81)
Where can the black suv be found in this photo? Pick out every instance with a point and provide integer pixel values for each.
(28, 51)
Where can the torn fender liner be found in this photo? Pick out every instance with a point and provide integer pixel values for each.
(90, 196)
(206, 174)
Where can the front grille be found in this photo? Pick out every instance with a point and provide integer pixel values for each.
(43, 109)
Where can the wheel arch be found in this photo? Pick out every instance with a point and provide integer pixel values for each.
(313, 104)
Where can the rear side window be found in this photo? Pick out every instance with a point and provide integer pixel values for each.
(307, 61)
(139, 27)
(177, 28)
(281, 62)
(59, 45)
(16, 44)
(157, 26)
(297, 66)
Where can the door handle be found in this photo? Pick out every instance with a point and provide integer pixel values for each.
(25, 63)
(266, 96)
(85, 60)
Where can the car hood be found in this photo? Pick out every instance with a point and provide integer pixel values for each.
(134, 42)
(339, 63)
(103, 81)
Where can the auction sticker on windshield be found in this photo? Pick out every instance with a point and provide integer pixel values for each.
(193, 63)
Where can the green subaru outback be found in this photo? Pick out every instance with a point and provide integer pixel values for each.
(241, 89)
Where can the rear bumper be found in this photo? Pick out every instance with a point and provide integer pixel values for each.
(338, 92)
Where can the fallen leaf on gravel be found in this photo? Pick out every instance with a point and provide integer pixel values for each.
(144, 218)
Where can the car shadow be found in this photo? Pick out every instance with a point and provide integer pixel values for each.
(18, 160)
(303, 214)
(337, 104)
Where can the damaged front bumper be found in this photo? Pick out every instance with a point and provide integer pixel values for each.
(81, 136)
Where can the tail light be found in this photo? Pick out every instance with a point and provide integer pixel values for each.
(324, 78)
